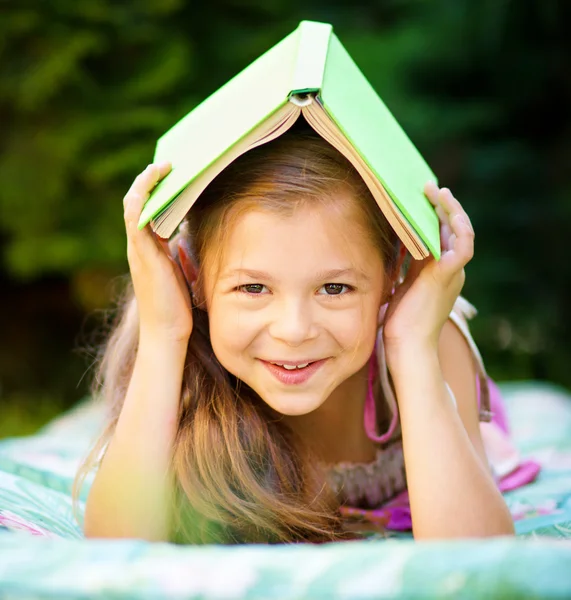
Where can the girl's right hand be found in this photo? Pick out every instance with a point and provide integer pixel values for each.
(162, 294)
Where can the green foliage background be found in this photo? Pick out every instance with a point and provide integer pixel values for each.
(482, 87)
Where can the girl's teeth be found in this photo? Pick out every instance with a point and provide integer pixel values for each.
(292, 367)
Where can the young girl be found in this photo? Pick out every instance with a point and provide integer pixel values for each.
(271, 375)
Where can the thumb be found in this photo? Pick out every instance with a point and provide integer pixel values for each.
(414, 269)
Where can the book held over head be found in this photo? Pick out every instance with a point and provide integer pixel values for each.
(309, 75)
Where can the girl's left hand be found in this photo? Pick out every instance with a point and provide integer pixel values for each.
(422, 303)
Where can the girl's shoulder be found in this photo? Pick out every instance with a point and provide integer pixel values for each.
(461, 313)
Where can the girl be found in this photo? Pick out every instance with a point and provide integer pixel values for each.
(271, 375)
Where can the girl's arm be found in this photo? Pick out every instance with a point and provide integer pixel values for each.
(452, 492)
(131, 493)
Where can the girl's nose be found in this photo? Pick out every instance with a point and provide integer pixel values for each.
(293, 323)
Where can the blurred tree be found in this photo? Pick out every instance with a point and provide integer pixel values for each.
(482, 88)
(509, 64)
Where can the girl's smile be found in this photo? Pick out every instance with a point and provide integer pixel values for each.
(293, 373)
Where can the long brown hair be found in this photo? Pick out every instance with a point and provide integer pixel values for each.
(240, 473)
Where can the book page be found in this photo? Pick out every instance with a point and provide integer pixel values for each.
(318, 118)
(278, 123)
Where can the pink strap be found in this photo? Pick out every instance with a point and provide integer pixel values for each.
(370, 408)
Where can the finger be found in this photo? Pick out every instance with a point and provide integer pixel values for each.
(447, 208)
(139, 191)
(133, 203)
(164, 168)
(148, 179)
(445, 233)
(414, 269)
(142, 184)
(416, 266)
(431, 192)
(462, 243)
(137, 195)
(460, 250)
(452, 207)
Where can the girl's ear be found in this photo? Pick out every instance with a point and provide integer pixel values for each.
(397, 270)
(393, 278)
(400, 261)
(187, 265)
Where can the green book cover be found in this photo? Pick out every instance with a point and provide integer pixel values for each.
(310, 59)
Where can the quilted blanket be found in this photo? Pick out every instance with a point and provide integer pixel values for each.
(44, 555)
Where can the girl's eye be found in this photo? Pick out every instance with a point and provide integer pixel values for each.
(335, 289)
(329, 289)
(252, 288)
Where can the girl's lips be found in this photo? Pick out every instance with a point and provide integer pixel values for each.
(295, 376)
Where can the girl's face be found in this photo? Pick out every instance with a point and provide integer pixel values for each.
(292, 291)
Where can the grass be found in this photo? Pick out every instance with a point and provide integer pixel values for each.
(24, 414)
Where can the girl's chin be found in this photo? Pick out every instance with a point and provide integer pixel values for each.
(293, 405)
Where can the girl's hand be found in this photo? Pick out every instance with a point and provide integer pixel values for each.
(421, 304)
(163, 298)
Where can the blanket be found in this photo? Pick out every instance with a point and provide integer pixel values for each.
(43, 553)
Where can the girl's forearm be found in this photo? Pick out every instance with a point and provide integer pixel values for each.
(131, 493)
(452, 494)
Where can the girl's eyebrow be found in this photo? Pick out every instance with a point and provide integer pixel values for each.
(321, 275)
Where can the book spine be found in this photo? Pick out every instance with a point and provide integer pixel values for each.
(312, 48)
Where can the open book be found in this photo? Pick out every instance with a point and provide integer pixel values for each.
(308, 74)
